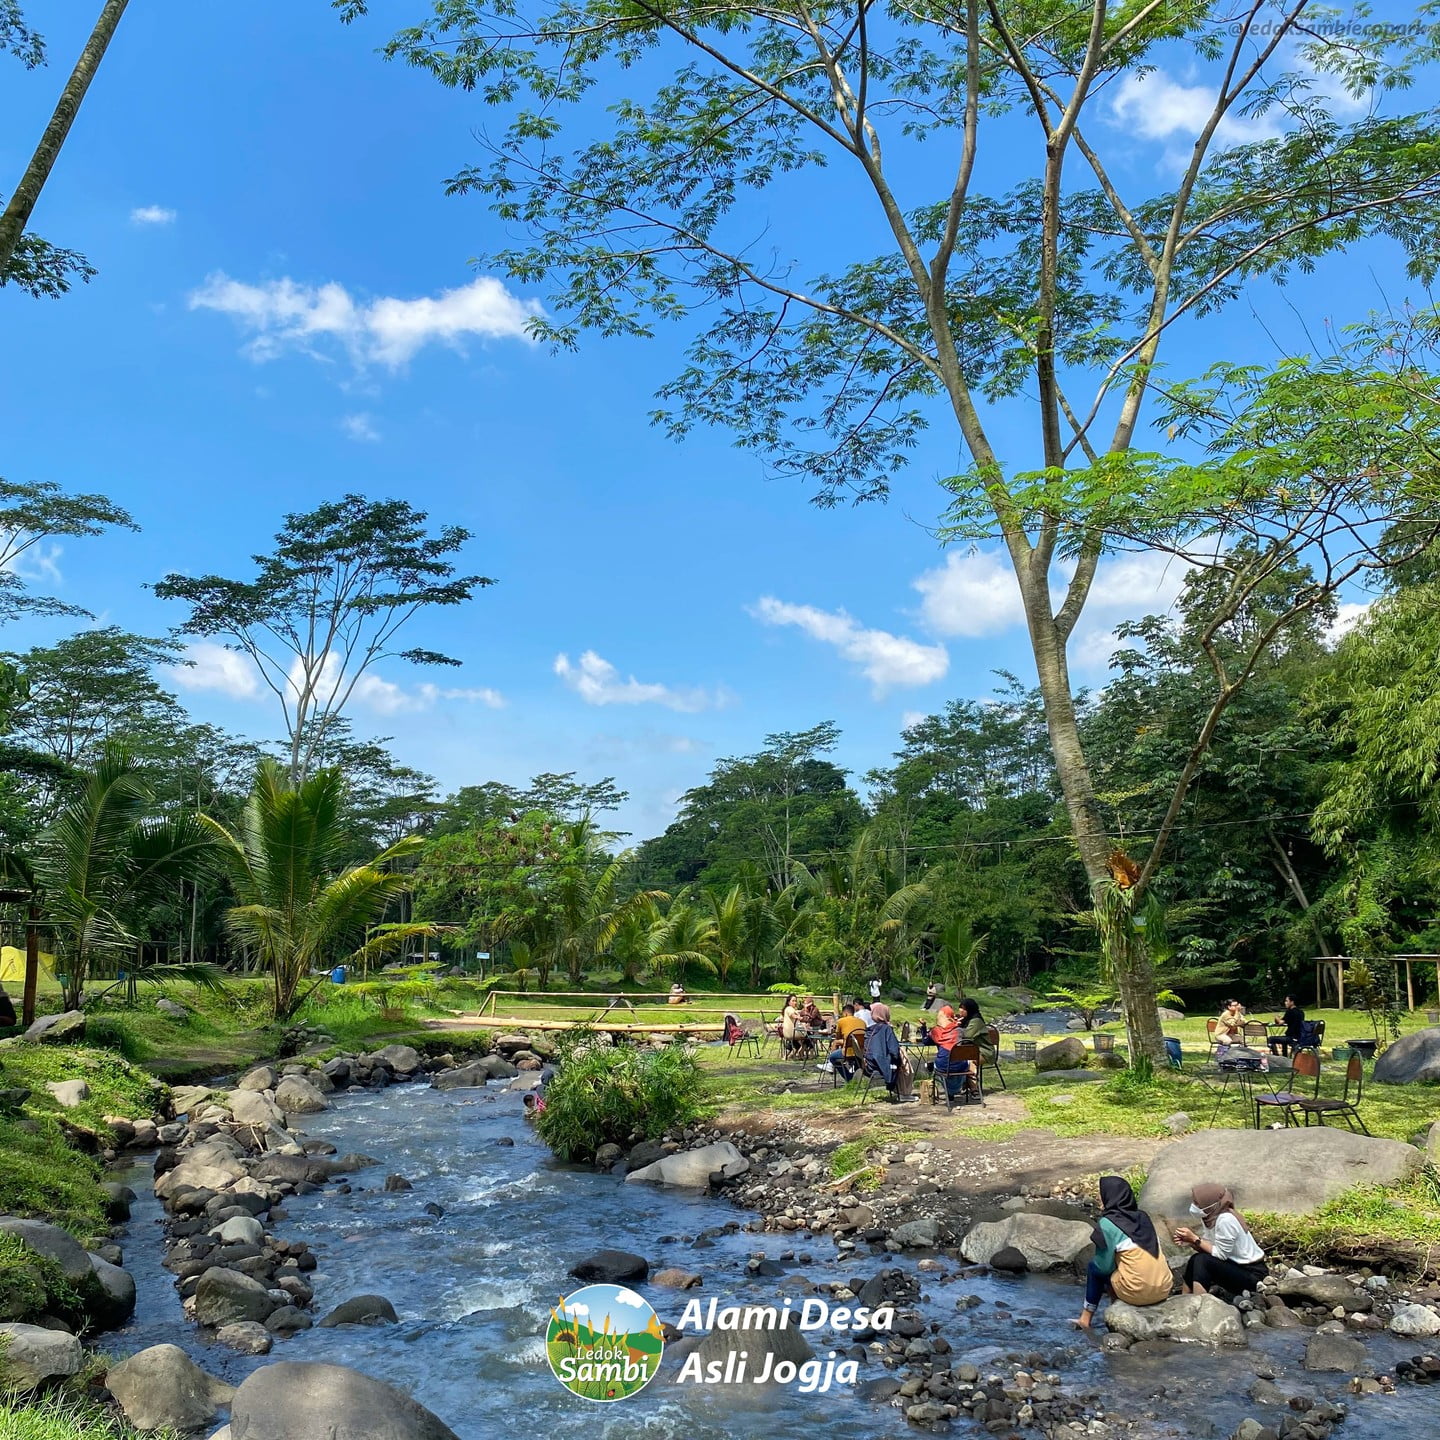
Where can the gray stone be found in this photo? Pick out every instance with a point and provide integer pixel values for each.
(53, 1243)
(787, 1344)
(1418, 1321)
(1411, 1058)
(162, 1388)
(172, 1009)
(693, 1169)
(63, 1029)
(288, 1320)
(1289, 1172)
(611, 1267)
(1197, 1319)
(115, 1302)
(288, 1401)
(252, 1107)
(299, 1097)
(187, 1098)
(1178, 1123)
(465, 1077)
(361, 1310)
(1324, 1352)
(224, 1297)
(1064, 1054)
(1326, 1290)
(247, 1337)
(921, 1234)
(240, 1230)
(674, 1278)
(30, 1355)
(1045, 1241)
(402, 1059)
(262, 1077)
(68, 1093)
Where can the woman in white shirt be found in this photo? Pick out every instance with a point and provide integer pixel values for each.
(1227, 1257)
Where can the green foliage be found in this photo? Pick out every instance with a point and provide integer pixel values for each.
(1368, 992)
(43, 1176)
(32, 1285)
(617, 1094)
(66, 1416)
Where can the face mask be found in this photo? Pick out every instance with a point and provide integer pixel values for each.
(1197, 1211)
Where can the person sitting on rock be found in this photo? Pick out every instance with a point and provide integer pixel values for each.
(849, 1048)
(1227, 1260)
(1128, 1264)
(882, 1049)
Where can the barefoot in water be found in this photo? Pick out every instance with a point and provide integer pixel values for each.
(1083, 1323)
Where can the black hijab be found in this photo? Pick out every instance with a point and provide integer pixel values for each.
(1120, 1209)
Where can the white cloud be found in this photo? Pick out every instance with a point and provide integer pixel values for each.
(1156, 106)
(360, 427)
(212, 667)
(911, 718)
(285, 315)
(37, 561)
(884, 659)
(973, 593)
(1347, 616)
(597, 682)
(152, 215)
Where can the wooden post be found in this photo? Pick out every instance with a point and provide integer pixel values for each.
(32, 964)
(1409, 983)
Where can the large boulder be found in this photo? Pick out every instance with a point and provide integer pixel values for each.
(53, 1243)
(254, 1107)
(758, 1344)
(187, 1098)
(1327, 1290)
(611, 1267)
(465, 1077)
(30, 1355)
(1046, 1241)
(1416, 1321)
(1410, 1058)
(1287, 1172)
(68, 1093)
(262, 1077)
(226, 1297)
(299, 1097)
(922, 1234)
(288, 1401)
(111, 1300)
(1066, 1054)
(206, 1167)
(402, 1059)
(693, 1169)
(163, 1388)
(67, 1028)
(361, 1310)
(1197, 1319)
(1325, 1352)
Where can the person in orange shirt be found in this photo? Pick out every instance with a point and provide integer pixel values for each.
(849, 1043)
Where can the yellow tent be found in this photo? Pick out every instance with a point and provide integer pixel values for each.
(12, 965)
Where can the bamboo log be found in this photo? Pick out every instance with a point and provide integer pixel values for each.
(496, 1022)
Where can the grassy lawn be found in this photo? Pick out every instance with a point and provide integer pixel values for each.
(63, 1418)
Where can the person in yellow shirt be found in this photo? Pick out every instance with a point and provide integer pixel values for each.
(849, 1043)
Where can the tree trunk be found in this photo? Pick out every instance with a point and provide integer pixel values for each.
(1134, 974)
(27, 192)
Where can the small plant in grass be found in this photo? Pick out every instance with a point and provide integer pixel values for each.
(1370, 995)
(615, 1094)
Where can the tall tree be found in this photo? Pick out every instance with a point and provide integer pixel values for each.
(17, 213)
(327, 605)
(1061, 290)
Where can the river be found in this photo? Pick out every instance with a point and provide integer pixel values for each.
(473, 1291)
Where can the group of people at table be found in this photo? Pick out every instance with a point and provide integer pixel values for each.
(864, 1042)
(1288, 1032)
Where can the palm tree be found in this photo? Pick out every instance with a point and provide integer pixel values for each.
(104, 860)
(957, 954)
(684, 939)
(298, 910)
(748, 928)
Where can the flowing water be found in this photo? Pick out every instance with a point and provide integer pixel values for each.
(473, 1290)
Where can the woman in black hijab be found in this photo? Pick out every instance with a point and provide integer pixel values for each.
(1128, 1263)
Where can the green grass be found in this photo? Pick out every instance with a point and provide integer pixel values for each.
(1409, 1211)
(65, 1418)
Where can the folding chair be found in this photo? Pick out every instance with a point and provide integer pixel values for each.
(1256, 1036)
(1346, 1108)
(739, 1037)
(994, 1035)
(950, 1076)
(854, 1049)
(872, 1074)
(1288, 1102)
(1210, 1026)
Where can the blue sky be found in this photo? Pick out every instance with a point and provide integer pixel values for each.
(285, 312)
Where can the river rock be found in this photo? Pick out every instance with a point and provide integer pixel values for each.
(1063, 1054)
(162, 1388)
(31, 1355)
(1199, 1319)
(1326, 1290)
(224, 1297)
(262, 1077)
(253, 1107)
(67, 1028)
(245, 1337)
(205, 1168)
(1289, 1172)
(171, 1008)
(240, 1230)
(1045, 1241)
(402, 1059)
(111, 1301)
(288, 1320)
(693, 1169)
(396, 1185)
(53, 1243)
(787, 1344)
(1325, 1352)
(1414, 1320)
(118, 1200)
(922, 1234)
(288, 1401)
(674, 1278)
(68, 1093)
(1411, 1058)
(611, 1267)
(299, 1097)
(361, 1310)
(187, 1098)
(465, 1077)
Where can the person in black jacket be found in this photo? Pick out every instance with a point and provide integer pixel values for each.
(1293, 1019)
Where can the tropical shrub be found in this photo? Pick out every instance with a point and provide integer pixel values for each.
(617, 1095)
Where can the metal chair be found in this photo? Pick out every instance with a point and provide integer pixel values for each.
(853, 1049)
(994, 1036)
(1347, 1109)
(740, 1037)
(1288, 1102)
(955, 1056)
(1210, 1026)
